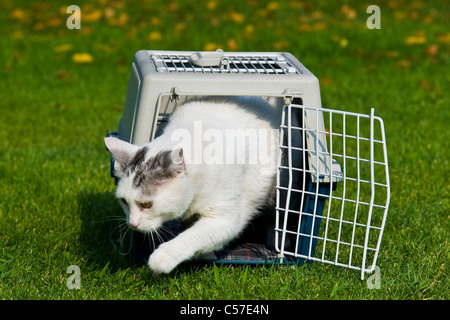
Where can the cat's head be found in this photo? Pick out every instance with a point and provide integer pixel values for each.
(152, 186)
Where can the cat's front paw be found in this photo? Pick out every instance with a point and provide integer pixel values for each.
(162, 262)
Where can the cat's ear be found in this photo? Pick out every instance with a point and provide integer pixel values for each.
(177, 160)
(121, 150)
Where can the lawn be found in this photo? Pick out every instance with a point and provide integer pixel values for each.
(62, 90)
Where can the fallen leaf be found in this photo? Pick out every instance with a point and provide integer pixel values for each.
(17, 34)
(348, 12)
(418, 38)
(272, 6)
(55, 22)
(211, 5)
(404, 64)
(120, 21)
(109, 12)
(249, 28)
(180, 26)
(91, 16)
(155, 36)
(425, 84)
(343, 42)
(320, 25)
(62, 74)
(428, 19)
(316, 15)
(445, 38)
(232, 44)
(40, 25)
(82, 58)
(173, 6)
(63, 47)
(432, 50)
(304, 27)
(156, 21)
(211, 46)
(281, 45)
(412, 40)
(400, 15)
(19, 14)
(391, 54)
(325, 81)
(237, 17)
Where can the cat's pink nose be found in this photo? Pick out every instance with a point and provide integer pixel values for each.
(133, 224)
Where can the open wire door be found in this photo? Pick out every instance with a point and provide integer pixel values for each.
(333, 187)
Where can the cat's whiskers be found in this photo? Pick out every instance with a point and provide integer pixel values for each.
(166, 230)
(153, 239)
(109, 219)
(122, 229)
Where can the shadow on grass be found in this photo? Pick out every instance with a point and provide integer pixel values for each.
(106, 239)
(104, 235)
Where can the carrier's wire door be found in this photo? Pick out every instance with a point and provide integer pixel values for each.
(332, 187)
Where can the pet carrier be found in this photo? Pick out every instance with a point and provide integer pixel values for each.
(332, 193)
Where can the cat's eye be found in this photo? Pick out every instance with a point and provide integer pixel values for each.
(146, 205)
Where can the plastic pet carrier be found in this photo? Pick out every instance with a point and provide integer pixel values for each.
(332, 192)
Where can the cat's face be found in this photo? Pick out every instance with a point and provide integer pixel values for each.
(152, 189)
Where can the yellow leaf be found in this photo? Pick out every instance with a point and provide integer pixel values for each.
(173, 6)
(63, 47)
(404, 64)
(281, 45)
(428, 19)
(17, 34)
(63, 10)
(82, 58)
(120, 21)
(400, 15)
(237, 17)
(39, 25)
(156, 21)
(180, 26)
(319, 25)
(348, 12)
(343, 42)
(304, 27)
(155, 36)
(417, 39)
(19, 14)
(211, 46)
(444, 38)
(211, 5)
(272, 6)
(55, 22)
(91, 16)
(249, 28)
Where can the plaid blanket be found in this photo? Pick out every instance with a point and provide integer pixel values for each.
(253, 247)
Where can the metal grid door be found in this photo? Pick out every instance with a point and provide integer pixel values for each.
(330, 212)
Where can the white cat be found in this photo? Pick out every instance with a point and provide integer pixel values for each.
(202, 164)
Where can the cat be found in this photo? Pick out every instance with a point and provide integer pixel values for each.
(216, 159)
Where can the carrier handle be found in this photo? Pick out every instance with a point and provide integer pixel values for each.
(209, 59)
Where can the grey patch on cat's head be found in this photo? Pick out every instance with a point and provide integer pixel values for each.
(137, 160)
(154, 172)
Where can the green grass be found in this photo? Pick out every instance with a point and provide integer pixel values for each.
(56, 196)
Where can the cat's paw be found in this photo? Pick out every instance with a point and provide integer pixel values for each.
(162, 262)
